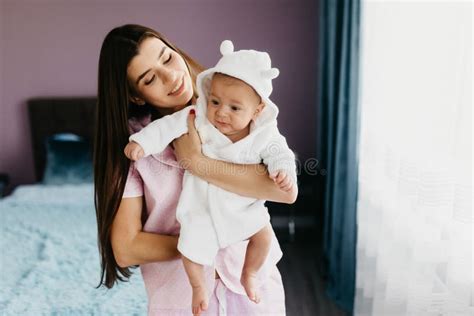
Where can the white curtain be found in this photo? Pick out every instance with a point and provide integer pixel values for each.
(415, 218)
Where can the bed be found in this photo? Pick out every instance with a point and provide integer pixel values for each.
(49, 258)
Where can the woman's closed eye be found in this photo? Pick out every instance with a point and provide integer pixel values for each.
(150, 80)
(169, 59)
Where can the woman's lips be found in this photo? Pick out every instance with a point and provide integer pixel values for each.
(180, 89)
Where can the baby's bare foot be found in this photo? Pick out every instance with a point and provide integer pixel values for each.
(249, 281)
(200, 300)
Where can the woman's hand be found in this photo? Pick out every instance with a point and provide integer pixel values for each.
(187, 148)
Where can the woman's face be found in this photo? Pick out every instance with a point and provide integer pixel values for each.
(160, 76)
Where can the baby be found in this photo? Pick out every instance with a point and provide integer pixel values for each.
(236, 121)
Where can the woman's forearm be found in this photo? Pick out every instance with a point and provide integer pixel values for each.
(132, 246)
(150, 247)
(247, 180)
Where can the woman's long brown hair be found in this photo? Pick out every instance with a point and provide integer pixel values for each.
(111, 133)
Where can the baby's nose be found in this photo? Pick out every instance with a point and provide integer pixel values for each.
(222, 109)
(220, 113)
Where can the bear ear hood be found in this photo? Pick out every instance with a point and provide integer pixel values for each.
(252, 67)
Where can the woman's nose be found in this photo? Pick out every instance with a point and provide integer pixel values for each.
(167, 75)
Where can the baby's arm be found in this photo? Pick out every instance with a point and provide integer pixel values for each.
(280, 161)
(154, 138)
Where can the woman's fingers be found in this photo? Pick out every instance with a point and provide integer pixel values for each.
(191, 127)
(188, 145)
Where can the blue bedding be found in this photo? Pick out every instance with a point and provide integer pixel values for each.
(49, 258)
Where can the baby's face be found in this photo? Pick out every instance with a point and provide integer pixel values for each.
(232, 105)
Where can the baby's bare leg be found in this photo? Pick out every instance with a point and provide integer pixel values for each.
(195, 272)
(257, 251)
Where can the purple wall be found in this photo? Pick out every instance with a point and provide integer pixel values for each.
(51, 48)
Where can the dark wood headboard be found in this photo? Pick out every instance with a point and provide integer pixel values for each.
(49, 116)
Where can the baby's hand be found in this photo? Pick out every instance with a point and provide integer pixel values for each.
(133, 151)
(282, 180)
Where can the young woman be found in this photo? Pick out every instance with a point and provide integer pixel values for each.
(143, 76)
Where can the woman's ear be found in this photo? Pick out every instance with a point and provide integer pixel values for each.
(137, 100)
(258, 110)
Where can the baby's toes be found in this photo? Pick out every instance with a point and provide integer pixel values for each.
(196, 310)
(249, 282)
(200, 300)
(256, 297)
(204, 305)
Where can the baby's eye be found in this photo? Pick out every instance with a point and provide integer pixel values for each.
(234, 108)
(214, 102)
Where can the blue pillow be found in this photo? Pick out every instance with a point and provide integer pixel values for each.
(68, 160)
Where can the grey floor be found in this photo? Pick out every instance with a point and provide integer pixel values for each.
(304, 286)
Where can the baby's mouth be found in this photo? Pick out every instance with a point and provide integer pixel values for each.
(221, 123)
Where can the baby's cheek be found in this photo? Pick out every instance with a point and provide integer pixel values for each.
(209, 113)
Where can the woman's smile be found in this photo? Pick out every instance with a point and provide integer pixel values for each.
(178, 89)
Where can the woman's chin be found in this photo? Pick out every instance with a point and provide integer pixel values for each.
(182, 100)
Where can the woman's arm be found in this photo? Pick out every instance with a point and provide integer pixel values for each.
(247, 180)
(130, 245)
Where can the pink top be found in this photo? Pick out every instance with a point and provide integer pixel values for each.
(159, 179)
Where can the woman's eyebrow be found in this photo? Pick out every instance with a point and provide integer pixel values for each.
(144, 74)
